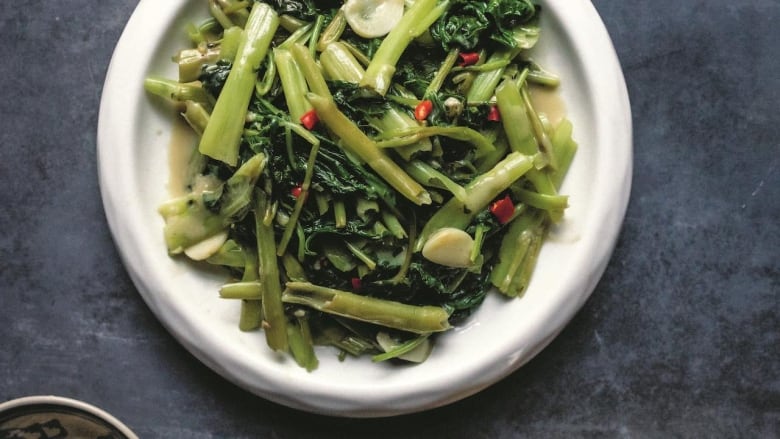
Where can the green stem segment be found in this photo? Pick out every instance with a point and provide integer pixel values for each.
(178, 92)
(359, 144)
(293, 84)
(275, 321)
(222, 137)
(518, 254)
(414, 134)
(416, 319)
(414, 22)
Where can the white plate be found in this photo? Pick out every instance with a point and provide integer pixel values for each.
(133, 137)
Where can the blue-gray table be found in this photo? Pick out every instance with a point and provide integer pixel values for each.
(679, 339)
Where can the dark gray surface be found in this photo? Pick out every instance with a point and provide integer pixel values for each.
(680, 338)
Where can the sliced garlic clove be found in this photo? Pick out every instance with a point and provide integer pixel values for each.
(207, 247)
(450, 247)
(373, 18)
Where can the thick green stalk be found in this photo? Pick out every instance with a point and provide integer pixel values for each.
(554, 203)
(275, 322)
(489, 160)
(484, 84)
(301, 342)
(242, 290)
(545, 145)
(237, 191)
(219, 15)
(178, 92)
(311, 71)
(333, 30)
(359, 144)
(339, 214)
(414, 134)
(229, 12)
(339, 64)
(263, 86)
(290, 23)
(222, 137)
(251, 316)
(518, 254)
(293, 83)
(416, 20)
(565, 147)
(515, 120)
(426, 175)
(292, 268)
(188, 222)
(296, 37)
(231, 39)
(201, 33)
(417, 319)
(538, 75)
(393, 224)
(197, 116)
(520, 133)
(190, 61)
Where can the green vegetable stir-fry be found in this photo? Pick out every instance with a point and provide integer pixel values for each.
(365, 191)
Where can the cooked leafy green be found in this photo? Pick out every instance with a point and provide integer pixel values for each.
(213, 76)
(471, 24)
(306, 10)
(347, 156)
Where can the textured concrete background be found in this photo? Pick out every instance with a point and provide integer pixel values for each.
(680, 338)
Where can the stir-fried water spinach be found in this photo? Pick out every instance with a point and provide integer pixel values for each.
(365, 193)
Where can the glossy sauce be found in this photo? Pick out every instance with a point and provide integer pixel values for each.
(548, 101)
(182, 145)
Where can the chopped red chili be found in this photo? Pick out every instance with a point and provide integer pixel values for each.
(296, 191)
(310, 119)
(423, 109)
(494, 115)
(468, 59)
(356, 284)
(503, 209)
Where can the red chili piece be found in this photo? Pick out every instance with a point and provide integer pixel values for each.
(296, 191)
(310, 119)
(494, 115)
(423, 109)
(356, 284)
(503, 209)
(468, 59)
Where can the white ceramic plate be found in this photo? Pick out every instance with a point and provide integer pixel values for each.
(133, 137)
